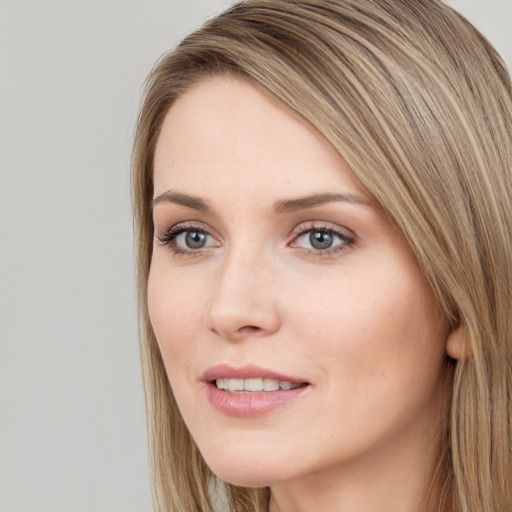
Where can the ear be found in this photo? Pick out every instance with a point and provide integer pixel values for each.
(457, 346)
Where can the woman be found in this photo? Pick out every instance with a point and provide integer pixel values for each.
(322, 195)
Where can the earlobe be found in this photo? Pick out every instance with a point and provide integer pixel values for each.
(457, 344)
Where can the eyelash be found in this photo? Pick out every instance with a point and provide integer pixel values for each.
(347, 240)
(169, 239)
(170, 236)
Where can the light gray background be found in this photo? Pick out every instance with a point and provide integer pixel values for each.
(72, 427)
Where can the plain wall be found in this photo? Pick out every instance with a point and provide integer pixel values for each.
(72, 426)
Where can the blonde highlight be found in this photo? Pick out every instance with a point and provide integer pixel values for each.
(425, 124)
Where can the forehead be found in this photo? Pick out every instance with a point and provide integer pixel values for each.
(227, 131)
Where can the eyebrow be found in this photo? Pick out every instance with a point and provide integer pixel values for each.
(195, 203)
(302, 203)
(283, 206)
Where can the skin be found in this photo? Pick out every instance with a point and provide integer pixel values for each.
(358, 322)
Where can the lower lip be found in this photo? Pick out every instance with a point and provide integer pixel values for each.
(245, 405)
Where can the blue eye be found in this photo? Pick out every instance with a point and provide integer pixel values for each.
(321, 239)
(185, 240)
(192, 239)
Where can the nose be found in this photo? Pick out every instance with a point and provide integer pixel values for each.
(245, 300)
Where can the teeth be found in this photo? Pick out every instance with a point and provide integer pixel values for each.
(270, 385)
(254, 385)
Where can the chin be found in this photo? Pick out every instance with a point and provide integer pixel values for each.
(245, 471)
(249, 480)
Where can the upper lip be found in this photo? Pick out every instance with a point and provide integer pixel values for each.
(226, 371)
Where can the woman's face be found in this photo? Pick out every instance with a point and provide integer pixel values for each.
(298, 332)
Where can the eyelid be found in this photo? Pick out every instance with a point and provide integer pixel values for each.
(170, 235)
(347, 237)
(304, 227)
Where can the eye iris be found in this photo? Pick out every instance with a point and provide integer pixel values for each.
(195, 239)
(320, 239)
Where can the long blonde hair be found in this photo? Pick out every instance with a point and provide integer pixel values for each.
(419, 105)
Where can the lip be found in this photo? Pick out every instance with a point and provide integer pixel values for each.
(246, 372)
(249, 404)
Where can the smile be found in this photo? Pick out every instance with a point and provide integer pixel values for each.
(251, 391)
(254, 385)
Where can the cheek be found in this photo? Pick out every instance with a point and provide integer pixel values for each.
(377, 342)
(174, 311)
(368, 323)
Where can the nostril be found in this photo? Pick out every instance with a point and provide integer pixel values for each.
(248, 329)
